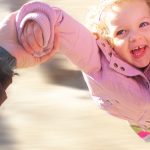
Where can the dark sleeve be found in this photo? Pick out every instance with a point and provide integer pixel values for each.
(7, 65)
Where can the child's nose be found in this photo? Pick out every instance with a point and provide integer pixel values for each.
(135, 36)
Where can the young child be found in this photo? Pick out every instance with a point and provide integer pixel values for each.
(116, 70)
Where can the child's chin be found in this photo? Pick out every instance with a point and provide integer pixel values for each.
(142, 66)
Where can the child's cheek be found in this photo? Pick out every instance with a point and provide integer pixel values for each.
(119, 44)
(146, 32)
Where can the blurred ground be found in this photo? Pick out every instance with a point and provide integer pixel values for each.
(49, 107)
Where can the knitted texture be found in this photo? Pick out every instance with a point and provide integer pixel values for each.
(41, 13)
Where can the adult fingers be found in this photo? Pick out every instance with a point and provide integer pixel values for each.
(38, 35)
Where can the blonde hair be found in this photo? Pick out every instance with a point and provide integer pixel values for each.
(95, 22)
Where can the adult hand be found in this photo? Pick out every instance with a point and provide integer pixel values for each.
(9, 41)
(32, 37)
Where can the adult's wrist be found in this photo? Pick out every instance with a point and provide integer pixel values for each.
(7, 61)
(7, 65)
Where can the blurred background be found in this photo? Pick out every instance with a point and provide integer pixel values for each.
(49, 106)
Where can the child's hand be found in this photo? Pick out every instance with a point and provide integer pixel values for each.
(32, 38)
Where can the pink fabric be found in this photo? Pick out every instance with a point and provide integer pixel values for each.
(143, 134)
(71, 32)
(38, 12)
(117, 87)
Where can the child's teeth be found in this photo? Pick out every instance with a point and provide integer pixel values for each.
(138, 51)
(137, 48)
(141, 46)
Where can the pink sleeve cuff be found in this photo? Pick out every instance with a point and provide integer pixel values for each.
(42, 14)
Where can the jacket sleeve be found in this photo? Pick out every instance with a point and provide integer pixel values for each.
(7, 66)
(75, 41)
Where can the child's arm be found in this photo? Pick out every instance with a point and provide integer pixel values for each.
(75, 41)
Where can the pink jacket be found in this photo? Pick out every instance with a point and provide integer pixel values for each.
(117, 87)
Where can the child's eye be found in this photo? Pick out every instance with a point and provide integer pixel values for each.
(143, 24)
(121, 32)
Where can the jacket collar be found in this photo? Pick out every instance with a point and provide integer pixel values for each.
(147, 72)
(119, 65)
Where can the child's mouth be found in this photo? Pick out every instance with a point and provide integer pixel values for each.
(138, 52)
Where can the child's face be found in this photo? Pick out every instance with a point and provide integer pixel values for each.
(129, 27)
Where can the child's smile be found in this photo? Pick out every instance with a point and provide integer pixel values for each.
(129, 28)
(138, 51)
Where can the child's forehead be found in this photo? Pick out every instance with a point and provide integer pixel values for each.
(117, 7)
(126, 12)
(110, 3)
(106, 5)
